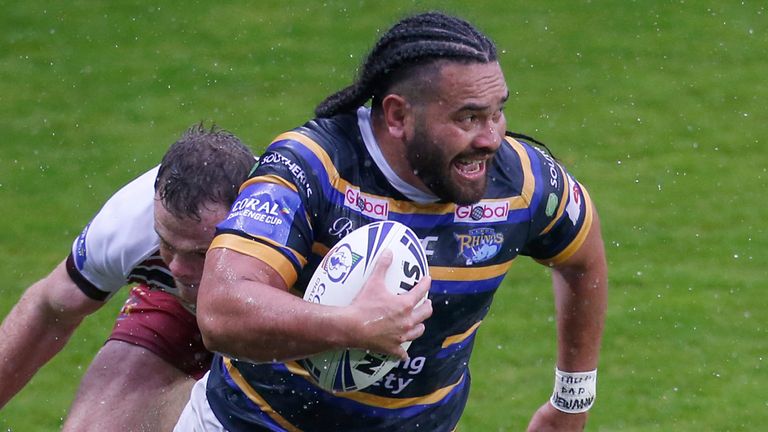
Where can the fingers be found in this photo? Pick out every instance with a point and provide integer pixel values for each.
(400, 353)
(415, 332)
(421, 289)
(382, 264)
(423, 311)
(378, 275)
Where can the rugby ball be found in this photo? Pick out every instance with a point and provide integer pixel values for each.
(337, 280)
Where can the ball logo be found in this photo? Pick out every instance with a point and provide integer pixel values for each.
(482, 212)
(340, 263)
(315, 294)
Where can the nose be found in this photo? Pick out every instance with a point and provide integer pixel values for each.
(488, 137)
(183, 269)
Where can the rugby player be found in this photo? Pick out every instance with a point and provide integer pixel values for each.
(431, 152)
(154, 233)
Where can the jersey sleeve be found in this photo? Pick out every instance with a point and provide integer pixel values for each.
(119, 236)
(562, 216)
(270, 219)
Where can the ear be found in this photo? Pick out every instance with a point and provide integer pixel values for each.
(397, 113)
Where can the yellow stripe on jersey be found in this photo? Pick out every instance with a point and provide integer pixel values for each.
(579, 239)
(258, 400)
(469, 273)
(270, 256)
(381, 401)
(407, 207)
(461, 337)
(393, 403)
(529, 181)
(297, 369)
(563, 203)
(320, 249)
(315, 148)
(270, 178)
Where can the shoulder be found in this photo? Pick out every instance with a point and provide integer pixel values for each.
(119, 236)
(323, 136)
(325, 148)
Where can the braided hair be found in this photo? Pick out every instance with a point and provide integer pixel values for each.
(416, 41)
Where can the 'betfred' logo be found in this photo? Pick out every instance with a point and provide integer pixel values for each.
(482, 212)
(376, 208)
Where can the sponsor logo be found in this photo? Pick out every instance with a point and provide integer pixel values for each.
(340, 263)
(341, 227)
(554, 174)
(259, 210)
(551, 204)
(482, 212)
(370, 206)
(428, 243)
(296, 171)
(574, 201)
(479, 244)
(396, 381)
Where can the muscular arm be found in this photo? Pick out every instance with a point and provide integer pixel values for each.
(38, 327)
(244, 310)
(581, 293)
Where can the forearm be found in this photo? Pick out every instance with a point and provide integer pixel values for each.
(263, 323)
(244, 310)
(29, 337)
(581, 297)
(581, 291)
(581, 304)
(255, 317)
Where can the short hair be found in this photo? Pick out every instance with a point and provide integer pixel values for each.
(411, 44)
(204, 166)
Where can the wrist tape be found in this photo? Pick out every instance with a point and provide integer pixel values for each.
(574, 391)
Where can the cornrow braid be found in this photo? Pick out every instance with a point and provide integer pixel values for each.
(414, 41)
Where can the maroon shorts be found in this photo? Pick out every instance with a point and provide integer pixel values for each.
(155, 320)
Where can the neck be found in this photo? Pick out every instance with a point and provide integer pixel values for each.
(394, 152)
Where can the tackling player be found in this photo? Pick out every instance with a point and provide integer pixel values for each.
(154, 232)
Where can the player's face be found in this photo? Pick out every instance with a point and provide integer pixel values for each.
(184, 242)
(457, 132)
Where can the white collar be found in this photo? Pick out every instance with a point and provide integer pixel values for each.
(413, 193)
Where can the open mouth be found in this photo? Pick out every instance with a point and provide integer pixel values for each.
(470, 168)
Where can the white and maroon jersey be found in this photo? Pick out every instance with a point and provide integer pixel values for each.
(119, 245)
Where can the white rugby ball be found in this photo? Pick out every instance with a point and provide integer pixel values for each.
(337, 280)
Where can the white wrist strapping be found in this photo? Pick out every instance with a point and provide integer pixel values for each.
(574, 391)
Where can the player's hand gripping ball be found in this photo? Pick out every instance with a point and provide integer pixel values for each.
(339, 278)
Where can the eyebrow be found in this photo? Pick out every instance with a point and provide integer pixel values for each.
(475, 107)
(202, 250)
(162, 239)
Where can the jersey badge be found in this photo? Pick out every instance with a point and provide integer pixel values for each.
(479, 244)
(80, 250)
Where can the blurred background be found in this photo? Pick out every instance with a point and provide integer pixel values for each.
(659, 107)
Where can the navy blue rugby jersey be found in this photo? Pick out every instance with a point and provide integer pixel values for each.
(320, 181)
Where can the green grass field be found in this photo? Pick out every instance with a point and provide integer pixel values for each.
(659, 107)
